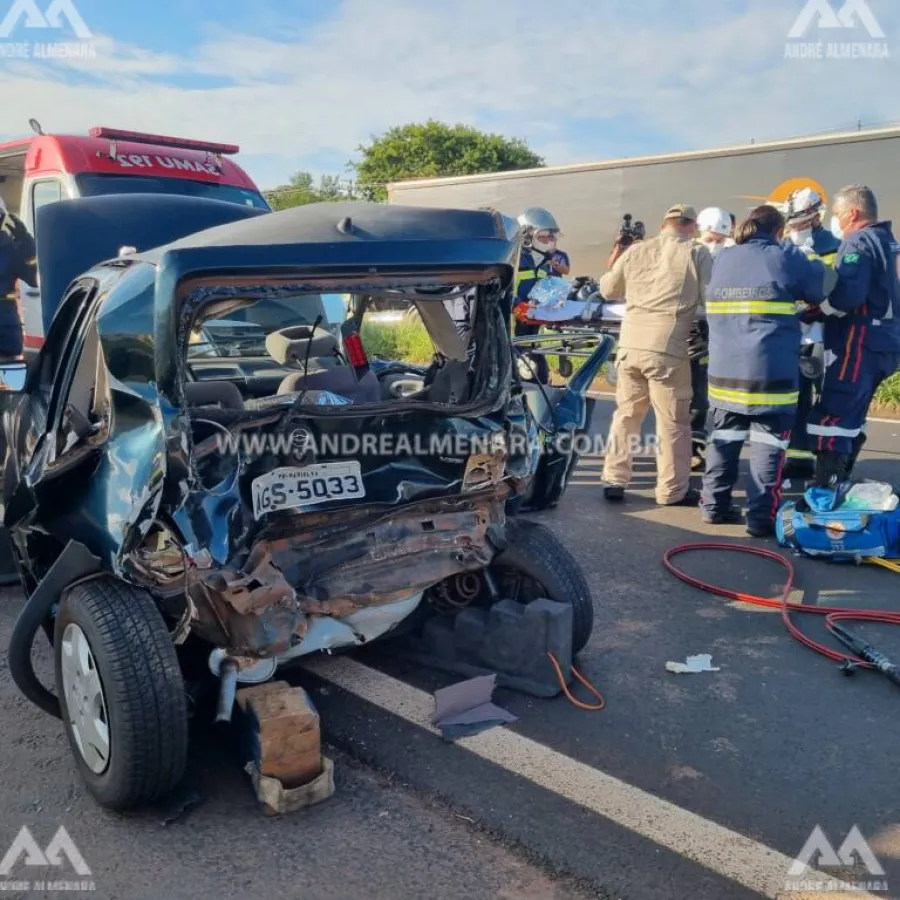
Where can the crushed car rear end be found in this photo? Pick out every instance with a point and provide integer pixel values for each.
(216, 461)
(317, 514)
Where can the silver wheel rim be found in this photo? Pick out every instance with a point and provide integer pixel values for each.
(85, 701)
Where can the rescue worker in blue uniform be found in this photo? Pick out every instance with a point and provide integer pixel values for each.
(862, 332)
(805, 230)
(17, 262)
(715, 226)
(540, 233)
(754, 350)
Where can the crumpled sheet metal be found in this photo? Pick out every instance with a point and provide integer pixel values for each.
(255, 613)
(388, 559)
(262, 610)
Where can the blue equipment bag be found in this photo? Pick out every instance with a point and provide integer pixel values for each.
(836, 526)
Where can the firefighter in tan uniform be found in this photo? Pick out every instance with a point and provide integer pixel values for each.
(663, 282)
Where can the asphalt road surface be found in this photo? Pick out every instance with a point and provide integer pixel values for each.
(700, 786)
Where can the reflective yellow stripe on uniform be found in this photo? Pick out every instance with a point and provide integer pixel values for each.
(751, 308)
(800, 454)
(529, 274)
(750, 399)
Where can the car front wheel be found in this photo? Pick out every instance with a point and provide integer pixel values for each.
(121, 693)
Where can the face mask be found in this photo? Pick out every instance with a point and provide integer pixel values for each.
(836, 229)
(801, 238)
(545, 246)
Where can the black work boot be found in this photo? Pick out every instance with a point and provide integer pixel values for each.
(691, 498)
(730, 516)
(858, 444)
(800, 468)
(831, 469)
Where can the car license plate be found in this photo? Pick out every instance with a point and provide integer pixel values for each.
(291, 488)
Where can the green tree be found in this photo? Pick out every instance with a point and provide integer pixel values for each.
(436, 149)
(301, 190)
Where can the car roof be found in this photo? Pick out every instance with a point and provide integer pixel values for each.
(319, 223)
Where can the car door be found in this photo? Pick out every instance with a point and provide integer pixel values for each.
(32, 415)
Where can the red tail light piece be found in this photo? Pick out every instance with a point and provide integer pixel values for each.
(356, 354)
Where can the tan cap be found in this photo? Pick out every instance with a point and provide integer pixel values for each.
(682, 211)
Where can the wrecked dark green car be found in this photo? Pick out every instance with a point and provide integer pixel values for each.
(214, 456)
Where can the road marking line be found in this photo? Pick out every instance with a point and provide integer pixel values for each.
(714, 847)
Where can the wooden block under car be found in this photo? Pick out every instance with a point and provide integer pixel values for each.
(281, 732)
(283, 747)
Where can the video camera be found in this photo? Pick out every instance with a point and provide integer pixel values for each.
(629, 233)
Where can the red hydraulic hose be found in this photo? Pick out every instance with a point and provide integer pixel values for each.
(832, 614)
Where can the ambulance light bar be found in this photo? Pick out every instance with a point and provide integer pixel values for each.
(137, 137)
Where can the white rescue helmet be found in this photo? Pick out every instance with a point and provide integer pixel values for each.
(539, 228)
(714, 220)
(802, 207)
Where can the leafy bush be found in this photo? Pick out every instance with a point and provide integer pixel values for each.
(889, 392)
(405, 340)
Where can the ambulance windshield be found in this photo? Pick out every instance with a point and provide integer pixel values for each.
(93, 184)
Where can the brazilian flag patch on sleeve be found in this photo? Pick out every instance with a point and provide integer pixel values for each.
(851, 258)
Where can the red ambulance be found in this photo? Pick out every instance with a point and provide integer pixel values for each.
(48, 168)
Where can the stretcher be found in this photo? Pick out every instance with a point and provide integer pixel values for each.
(570, 313)
(557, 302)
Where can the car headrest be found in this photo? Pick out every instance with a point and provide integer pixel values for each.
(291, 346)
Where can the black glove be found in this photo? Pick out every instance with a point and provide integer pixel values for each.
(12, 226)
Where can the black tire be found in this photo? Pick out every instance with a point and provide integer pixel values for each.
(143, 690)
(537, 553)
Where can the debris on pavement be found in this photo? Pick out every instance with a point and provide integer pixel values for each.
(466, 709)
(693, 665)
(185, 796)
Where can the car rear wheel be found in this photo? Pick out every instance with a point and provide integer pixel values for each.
(121, 693)
(537, 565)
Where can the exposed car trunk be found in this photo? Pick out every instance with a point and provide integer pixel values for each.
(328, 513)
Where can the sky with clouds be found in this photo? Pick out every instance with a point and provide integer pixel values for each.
(300, 84)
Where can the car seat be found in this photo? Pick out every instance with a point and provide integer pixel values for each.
(213, 393)
(312, 349)
(340, 380)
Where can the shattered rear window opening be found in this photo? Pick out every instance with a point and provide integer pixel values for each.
(398, 340)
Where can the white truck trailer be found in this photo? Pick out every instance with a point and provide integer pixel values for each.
(589, 199)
